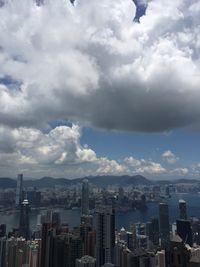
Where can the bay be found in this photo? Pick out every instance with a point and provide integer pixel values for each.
(72, 217)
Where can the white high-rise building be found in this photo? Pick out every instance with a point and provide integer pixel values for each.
(105, 235)
(19, 190)
(85, 198)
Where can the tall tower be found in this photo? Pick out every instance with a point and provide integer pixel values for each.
(19, 190)
(85, 198)
(44, 256)
(24, 219)
(164, 224)
(183, 209)
(105, 235)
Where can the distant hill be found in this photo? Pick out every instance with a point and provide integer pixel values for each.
(120, 180)
(178, 181)
(47, 182)
(7, 183)
(186, 181)
(123, 180)
(96, 180)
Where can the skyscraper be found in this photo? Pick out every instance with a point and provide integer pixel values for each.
(74, 249)
(44, 245)
(19, 190)
(24, 219)
(152, 231)
(105, 235)
(183, 209)
(3, 252)
(164, 224)
(85, 198)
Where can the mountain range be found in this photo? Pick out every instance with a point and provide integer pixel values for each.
(96, 180)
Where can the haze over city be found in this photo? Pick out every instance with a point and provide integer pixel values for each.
(100, 88)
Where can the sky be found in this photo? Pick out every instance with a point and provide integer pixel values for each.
(100, 88)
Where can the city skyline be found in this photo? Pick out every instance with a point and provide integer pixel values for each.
(105, 88)
(99, 237)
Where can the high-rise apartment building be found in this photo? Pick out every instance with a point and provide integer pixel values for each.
(85, 198)
(16, 252)
(74, 249)
(178, 254)
(105, 235)
(34, 253)
(44, 245)
(22, 253)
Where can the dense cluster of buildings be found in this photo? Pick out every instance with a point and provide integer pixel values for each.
(124, 198)
(96, 242)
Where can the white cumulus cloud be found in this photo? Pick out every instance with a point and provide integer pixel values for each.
(145, 166)
(91, 63)
(58, 152)
(170, 157)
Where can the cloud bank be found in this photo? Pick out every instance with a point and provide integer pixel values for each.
(59, 153)
(92, 64)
